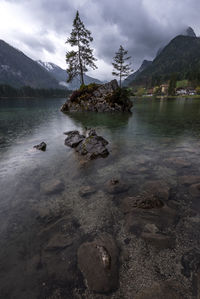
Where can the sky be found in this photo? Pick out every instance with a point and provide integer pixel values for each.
(39, 28)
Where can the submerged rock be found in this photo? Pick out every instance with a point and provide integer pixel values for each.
(190, 262)
(42, 146)
(52, 187)
(195, 190)
(99, 98)
(86, 191)
(139, 202)
(92, 147)
(98, 261)
(58, 242)
(159, 291)
(114, 186)
(73, 139)
(188, 180)
(159, 240)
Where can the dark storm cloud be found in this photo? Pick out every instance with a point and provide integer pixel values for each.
(141, 26)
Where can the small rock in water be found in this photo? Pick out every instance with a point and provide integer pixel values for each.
(98, 261)
(188, 180)
(58, 242)
(139, 202)
(114, 186)
(52, 187)
(190, 262)
(42, 146)
(195, 190)
(86, 191)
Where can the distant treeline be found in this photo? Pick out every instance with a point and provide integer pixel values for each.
(27, 91)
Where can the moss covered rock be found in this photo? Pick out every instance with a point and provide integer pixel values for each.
(107, 97)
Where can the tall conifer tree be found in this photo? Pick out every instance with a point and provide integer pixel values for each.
(78, 60)
(121, 68)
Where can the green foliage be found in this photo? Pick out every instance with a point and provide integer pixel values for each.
(120, 96)
(79, 60)
(141, 91)
(182, 84)
(172, 85)
(27, 91)
(157, 90)
(83, 93)
(121, 68)
(198, 89)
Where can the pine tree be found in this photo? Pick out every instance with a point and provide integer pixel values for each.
(79, 60)
(121, 68)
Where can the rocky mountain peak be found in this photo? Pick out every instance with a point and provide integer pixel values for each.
(189, 31)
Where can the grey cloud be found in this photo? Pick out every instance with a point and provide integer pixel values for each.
(37, 43)
(141, 26)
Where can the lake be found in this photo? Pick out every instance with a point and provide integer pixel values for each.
(155, 150)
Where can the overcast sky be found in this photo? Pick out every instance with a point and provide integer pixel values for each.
(40, 28)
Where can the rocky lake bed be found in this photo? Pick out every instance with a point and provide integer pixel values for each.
(125, 225)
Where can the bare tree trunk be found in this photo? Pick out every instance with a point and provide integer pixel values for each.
(81, 73)
(120, 77)
(80, 63)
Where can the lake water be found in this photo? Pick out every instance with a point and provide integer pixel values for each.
(158, 144)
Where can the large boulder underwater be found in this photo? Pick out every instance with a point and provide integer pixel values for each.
(94, 97)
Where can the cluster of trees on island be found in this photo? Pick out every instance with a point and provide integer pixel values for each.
(80, 59)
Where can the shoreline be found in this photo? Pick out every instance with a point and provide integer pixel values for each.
(169, 97)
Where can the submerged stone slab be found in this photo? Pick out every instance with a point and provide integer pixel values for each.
(115, 186)
(86, 191)
(52, 186)
(188, 180)
(98, 261)
(158, 291)
(140, 202)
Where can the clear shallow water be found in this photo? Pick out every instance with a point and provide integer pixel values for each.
(144, 147)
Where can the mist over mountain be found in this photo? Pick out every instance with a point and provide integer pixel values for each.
(61, 76)
(181, 55)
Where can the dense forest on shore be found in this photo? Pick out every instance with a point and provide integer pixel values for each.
(27, 91)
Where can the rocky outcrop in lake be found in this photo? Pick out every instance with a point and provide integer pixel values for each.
(107, 97)
(91, 146)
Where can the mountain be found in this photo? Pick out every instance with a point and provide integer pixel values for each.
(133, 76)
(61, 75)
(189, 31)
(180, 56)
(17, 70)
